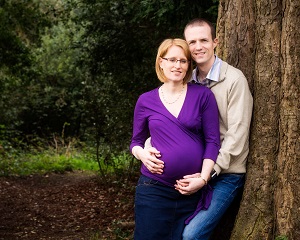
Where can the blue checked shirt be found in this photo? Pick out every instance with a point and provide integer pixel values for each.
(213, 74)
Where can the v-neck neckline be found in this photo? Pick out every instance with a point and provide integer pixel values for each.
(164, 106)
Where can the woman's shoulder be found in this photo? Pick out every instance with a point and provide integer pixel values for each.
(148, 96)
(200, 93)
(149, 93)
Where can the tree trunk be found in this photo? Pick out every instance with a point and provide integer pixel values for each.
(262, 38)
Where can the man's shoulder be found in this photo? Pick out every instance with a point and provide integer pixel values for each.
(230, 73)
(230, 69)
(198, 87)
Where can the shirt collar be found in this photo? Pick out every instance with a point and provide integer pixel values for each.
(213, 74)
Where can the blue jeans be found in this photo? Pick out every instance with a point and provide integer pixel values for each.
(160, 210)
(226, 187)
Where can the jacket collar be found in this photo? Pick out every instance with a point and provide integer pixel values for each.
(222, 76)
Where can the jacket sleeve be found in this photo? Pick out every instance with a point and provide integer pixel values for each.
(234, 145)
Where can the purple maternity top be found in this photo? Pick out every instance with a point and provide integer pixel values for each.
(183, 141)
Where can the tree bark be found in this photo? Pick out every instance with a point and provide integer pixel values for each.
(262, 39)
(287, 197)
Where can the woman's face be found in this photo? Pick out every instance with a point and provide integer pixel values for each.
(174, 64)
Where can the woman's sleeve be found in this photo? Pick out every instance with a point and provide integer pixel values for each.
(140, 126)
(211, 127)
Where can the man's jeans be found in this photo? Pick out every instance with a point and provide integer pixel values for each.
(226, 187)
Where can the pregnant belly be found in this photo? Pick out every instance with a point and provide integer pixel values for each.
(179, 163)
(180, 156)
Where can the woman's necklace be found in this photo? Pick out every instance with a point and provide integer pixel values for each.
(163, 96)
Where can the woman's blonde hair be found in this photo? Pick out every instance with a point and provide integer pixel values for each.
(162, 51)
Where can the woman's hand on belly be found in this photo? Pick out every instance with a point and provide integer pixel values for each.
(189, 185)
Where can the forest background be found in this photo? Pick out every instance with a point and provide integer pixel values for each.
(71, 72)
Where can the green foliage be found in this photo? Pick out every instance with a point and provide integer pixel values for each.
(62, 157)
(75, 68)
(63, 42)
(55, 97)
(123, 37)
(282, 237)
(18, 30)
(10, 142)
(27, 163)
(21, 22)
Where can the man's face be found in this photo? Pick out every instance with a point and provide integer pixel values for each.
(201, 44)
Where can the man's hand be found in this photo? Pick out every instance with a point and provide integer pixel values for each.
(149, 157)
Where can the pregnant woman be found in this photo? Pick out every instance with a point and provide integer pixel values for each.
(182, 120)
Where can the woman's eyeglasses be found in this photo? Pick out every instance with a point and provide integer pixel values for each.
(174, 60)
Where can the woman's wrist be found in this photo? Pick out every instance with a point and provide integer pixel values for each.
(204, 180)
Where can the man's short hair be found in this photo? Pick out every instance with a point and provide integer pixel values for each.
(201, 22)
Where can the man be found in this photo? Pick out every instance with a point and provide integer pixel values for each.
(235, 103)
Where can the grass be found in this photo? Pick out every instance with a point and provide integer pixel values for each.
(20, 163)
(59, 154)
(44, 162)
(282, 237)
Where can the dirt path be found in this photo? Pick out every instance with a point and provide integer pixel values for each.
(64, 206)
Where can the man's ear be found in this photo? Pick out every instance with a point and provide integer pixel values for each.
(215, 42)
